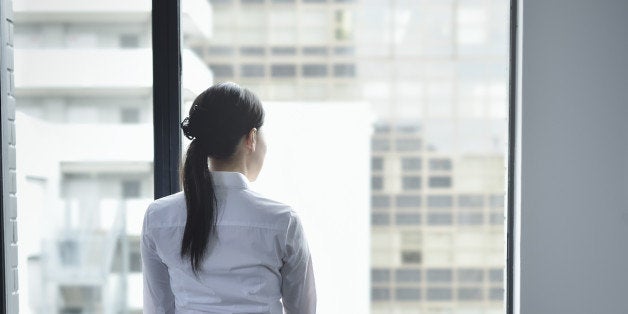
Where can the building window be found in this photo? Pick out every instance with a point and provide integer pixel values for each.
(344, 70)
(314, 70)
(439, 201)
(408, 144)
(380, 201)
(377, 182)
(470, 219)
(440, 182)
(439, 219)
(474, 201)
(411, 257)
(439, 294)
(378, 219)
(380, 275)
(314, 51)
(496, 275)
(222, 70)
(438, 164)
(283, 51)
(221, 50)
(408, 294)
(496, 201)
(129, 41)
(470, 294)
(497, 219)
(283, 70)
(130, 115)
(411, 163)
(252, 51)
(411, 183)
(380, 144)
(439, 275)
(496, 294)
(344, 51)
(377, 163)
(408, 219)
(408, 275)
(380, 294)
(408, 201)
(470, 275)
(131, 188)
(253, 70)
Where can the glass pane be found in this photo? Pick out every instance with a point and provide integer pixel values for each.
(83, 85)
(393, 111)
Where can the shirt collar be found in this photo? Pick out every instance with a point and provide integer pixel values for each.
(230, 179)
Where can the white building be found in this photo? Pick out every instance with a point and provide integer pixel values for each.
(83, 82)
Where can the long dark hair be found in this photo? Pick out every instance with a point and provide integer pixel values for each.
(218, 119)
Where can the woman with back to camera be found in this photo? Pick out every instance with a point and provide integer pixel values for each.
(217, 246)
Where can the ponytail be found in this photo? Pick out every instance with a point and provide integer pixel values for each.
(218, 119)
(200, 199)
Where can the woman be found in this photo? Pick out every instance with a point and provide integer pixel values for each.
(217, 246)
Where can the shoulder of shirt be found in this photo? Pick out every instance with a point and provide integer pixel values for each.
(166, 207)
(268, 204)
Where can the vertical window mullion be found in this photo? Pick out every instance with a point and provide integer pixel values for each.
(166, 95)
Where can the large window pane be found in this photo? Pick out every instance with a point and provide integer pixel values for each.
(433, 75)
(83, 87)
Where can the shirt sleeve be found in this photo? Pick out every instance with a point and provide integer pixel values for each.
(158, 297)
(297, 285)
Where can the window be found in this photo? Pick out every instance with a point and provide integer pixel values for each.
(131, 189)
(377, 163)
(439, 294)
(411, 183)
(380, 144)
(439, 219)
(344, 70)
(411, 257)
(440, 164)
(405, 201)
(377, 183)
(467, 294)
(315, 51)
(252, 51)
(411, 163)
(130, 115)
(129, 41)
(222, 70)
(439, 201)
(408, 294)
(314, 70)
(380, 201)
(408, 219)
(283, 51)
(379, 219)
(470, 275)
(380, 275)
(439, 182)
(408, 144)
(380, 294)
(283, 70)
(408, 275)
(473, 201)
(253, 70)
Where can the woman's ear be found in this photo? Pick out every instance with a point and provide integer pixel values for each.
(251, 139)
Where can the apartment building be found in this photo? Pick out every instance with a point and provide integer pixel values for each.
(83, 84)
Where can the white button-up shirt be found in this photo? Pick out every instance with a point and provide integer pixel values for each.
(260, 256)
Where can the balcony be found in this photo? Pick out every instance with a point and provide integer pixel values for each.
(98, 71)
(195, 14)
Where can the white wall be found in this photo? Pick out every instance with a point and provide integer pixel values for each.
(574, 157)
(318, 161)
